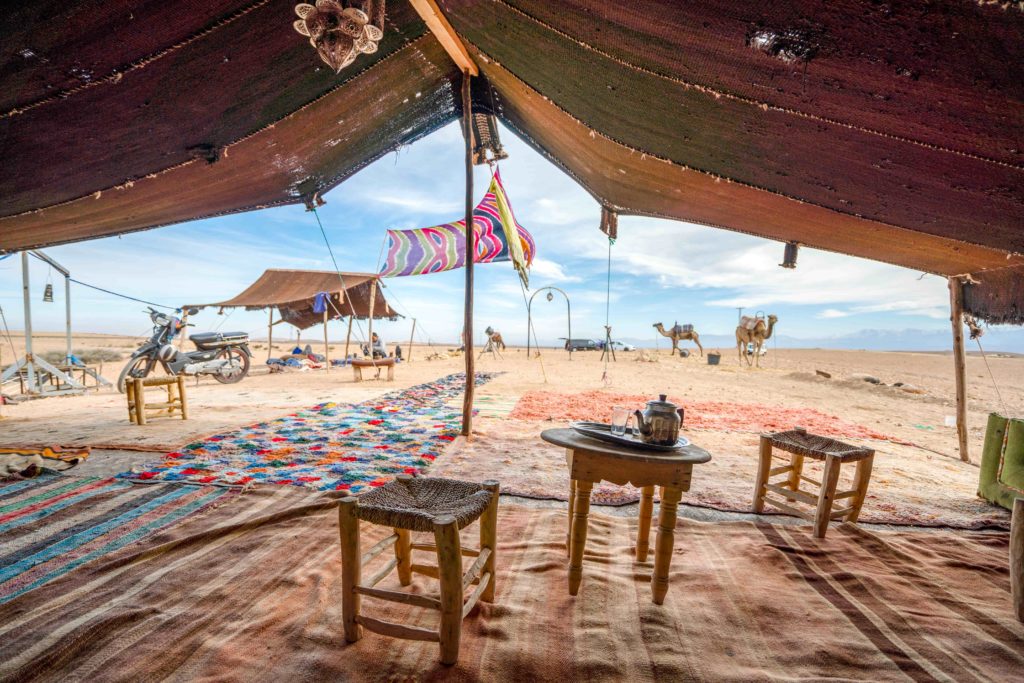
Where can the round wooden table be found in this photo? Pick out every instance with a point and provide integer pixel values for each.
(591, 461)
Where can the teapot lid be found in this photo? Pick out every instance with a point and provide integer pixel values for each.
(662, 402)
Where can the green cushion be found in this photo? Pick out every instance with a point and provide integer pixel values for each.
(1002, 461)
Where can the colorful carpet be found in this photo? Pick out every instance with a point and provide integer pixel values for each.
(329, 447)
(908, 486)
(713, 415)
(52, 524)
(251, 592)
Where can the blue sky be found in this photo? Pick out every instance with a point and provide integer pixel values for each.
(661, 270)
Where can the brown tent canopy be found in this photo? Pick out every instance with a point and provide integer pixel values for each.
(890, 131)
(292, 293)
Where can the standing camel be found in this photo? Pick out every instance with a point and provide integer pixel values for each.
(754, 330)
(680, 333)
(494, 337)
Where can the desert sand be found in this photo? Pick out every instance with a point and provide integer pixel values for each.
(920, 456)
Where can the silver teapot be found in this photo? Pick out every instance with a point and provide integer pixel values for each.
(660, 423)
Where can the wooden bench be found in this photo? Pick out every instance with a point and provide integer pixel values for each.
(139, 410)
(358, 365)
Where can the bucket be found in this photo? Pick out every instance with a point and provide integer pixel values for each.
(713, 358)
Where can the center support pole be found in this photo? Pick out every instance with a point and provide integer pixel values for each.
(956, 316)
(467, 132)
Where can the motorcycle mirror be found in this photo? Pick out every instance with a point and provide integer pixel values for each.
(192, 311)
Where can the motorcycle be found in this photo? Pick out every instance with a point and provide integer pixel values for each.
(224, 355)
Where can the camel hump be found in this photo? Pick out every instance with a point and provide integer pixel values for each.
(749, 322)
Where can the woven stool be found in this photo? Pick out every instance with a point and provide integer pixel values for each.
(427, 504)
(139, 410)
(835, 453)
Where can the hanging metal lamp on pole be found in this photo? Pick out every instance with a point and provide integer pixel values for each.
(568, 317)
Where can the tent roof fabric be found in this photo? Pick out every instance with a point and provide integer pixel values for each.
(891, 131)
(292, 292)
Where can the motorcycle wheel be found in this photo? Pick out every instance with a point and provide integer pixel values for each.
(243, 360)
(139, 367)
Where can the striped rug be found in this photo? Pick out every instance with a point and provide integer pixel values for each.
(251, 592)
(53, 524)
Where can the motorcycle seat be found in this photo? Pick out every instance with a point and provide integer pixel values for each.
(215, 338)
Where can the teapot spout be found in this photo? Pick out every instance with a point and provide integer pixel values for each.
(643, 427)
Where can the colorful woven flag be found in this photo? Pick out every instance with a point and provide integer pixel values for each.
(443, 247)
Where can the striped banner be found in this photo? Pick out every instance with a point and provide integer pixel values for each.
(443, 247)
(52, 524)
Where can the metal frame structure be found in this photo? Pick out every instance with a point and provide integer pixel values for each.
(39, 374)
(529, 318)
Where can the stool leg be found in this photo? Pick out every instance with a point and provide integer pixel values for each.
(351, 567)
(861, 477)
(129, 390)
(643, 534)
(572, 506)
(826, 496)
(665, 541)
(403, 554)
(181, 397)
(449, 562)
(579, 534)
(796, 461)
(764, 464)
(140, 402)
(489, 539)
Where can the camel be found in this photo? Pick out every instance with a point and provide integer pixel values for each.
(753, 330)
(679, 333)
(495, 337)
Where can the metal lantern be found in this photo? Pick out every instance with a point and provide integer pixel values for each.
(789, 255)
(48, 293)
(551, 296)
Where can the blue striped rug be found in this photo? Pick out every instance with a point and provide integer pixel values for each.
(53, 523)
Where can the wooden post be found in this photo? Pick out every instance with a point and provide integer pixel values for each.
(665, 541)
(956, 310)
(270, 334)
(411, 335)
(348, 336)
(351, 566)
(449, 562)
(467, 132)
(1017, 558)
(327, 349)
(373, 300)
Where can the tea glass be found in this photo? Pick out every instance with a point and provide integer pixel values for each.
(621, 421)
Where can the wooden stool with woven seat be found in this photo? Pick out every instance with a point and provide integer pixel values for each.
(835, 453)
(422, 504)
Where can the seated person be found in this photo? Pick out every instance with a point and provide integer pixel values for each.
(377, 344)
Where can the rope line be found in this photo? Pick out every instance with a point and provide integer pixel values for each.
(7, 332)
(341, 278)
(993, 377)
(123, 296)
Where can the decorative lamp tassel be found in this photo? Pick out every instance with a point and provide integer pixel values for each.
(609, 222)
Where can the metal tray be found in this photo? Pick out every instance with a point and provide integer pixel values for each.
(601, 431)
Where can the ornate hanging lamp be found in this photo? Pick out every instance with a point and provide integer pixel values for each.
(340, 33)
(789, 255)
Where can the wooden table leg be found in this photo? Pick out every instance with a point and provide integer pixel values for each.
(643, 534)
(665, 542)
(579, 534)
(572, 505)
(861, 479)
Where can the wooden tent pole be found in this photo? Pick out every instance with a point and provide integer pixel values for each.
(956, 310)
(373, 300)
(348, 335)
(1017, 558)
(327, 349)
(270, 334)
(467, 132)
(411, 335)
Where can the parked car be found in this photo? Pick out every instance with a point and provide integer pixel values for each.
(622, 346)
(581, 345)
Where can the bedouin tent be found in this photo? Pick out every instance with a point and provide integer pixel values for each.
(294, 294)
(889, 131)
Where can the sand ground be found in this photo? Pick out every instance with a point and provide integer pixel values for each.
(787, 378)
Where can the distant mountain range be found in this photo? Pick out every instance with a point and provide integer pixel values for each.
(1001, 339)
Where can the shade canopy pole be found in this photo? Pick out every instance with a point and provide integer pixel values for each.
(956, 316)
(373, 299)
(327, 349)
(467, 132)
(411, 335)
(270, 334)
(348, 336)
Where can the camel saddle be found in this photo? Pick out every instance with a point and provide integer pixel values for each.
(748, 322)
(682, 329)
